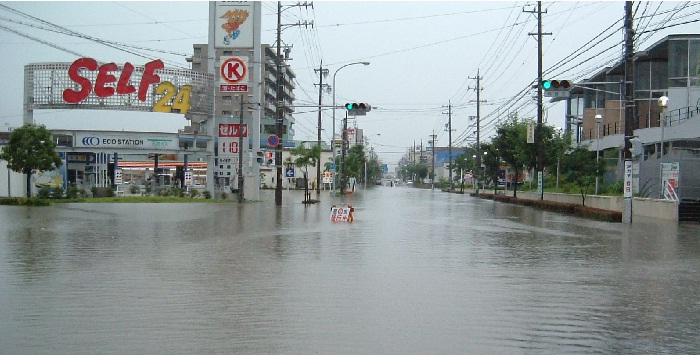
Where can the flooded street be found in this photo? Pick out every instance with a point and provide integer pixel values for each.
(418, 272)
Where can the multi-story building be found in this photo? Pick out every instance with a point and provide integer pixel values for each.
(671, 68)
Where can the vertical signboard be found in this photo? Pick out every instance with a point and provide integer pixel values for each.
(233, 24)
(670, 172)
(229, 134)
(531, 133)
(628, 179)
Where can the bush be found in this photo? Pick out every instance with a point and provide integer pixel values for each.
(224, 195)
(43, 193)
(73, 192)
(57, 192)
(148, 189)
(179, 192)
(134, 189)
(207, 194)
(194, 193)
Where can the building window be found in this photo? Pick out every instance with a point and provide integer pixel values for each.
(228, 53)
(226, 100)
(226, 113)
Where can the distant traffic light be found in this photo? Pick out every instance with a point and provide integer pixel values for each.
(555, 85)
(269, 158)
(358, 108)
(260, 157)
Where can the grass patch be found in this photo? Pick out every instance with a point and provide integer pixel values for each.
(560, 207)
(142, 199)
(23, 201)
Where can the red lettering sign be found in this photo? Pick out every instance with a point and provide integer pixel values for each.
(105, 77)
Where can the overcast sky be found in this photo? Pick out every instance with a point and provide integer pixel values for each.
(424, 56)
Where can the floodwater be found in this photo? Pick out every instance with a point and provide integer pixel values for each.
(418, 272)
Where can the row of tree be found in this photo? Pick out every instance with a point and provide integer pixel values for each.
(509, 147)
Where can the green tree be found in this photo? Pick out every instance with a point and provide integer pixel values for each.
(511, 142)
(463, 163)
(492, 163)
(29, 149)
(305, 157)
(580, 167)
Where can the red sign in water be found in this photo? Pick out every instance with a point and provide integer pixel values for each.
(233, 130)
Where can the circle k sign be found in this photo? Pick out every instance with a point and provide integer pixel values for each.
(234, 70)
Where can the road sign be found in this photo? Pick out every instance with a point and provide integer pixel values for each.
(234, 70)
(273, 140)
(331, 166)
(289, 172)
(556, 93)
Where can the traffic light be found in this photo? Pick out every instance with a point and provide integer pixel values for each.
(555, 85)
(637, 148)
(358, 108)
(260, 157)
(269, 158)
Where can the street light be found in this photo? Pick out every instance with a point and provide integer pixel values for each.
(598, 121)
(663, 104)
(333, 133)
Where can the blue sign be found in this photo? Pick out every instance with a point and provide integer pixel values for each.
(289, 172)
(331, 166)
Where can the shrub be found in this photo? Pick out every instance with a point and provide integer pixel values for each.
(224, 195)
(207, 194)
(194, 193)
(148, 190)
(73, 192)
(57, 192)
(134, 189)
(44, 193)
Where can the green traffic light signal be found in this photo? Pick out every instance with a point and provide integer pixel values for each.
(546, 84)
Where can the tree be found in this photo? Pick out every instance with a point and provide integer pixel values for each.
(463, 163)
(581, 168)
(492, 163)
(511, 142)
(306, 157)
(31, 148)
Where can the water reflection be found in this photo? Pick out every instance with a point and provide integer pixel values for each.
(417, 272)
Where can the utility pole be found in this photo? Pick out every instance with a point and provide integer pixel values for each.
(278, 104)
(538, 129)
(240, 153)
(448, 128)
(278, 108)
(432, 170)
(629, 102)
(321, 73)
(629, 78)
(478, 125)
(343, 180)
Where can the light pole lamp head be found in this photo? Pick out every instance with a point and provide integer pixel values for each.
(598, 118)
(663, 101)
(365, 63)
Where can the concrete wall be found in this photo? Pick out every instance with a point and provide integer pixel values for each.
(17, 186)
(641, 207)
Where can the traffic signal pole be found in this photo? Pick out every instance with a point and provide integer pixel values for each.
(540, 106)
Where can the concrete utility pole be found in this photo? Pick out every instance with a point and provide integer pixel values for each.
(278, 109)
(629, 100)
(478, 124)
(449, 149)
(432, 170)
(540, 108)
(629, 78)
(278, 104)
(321, 73)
